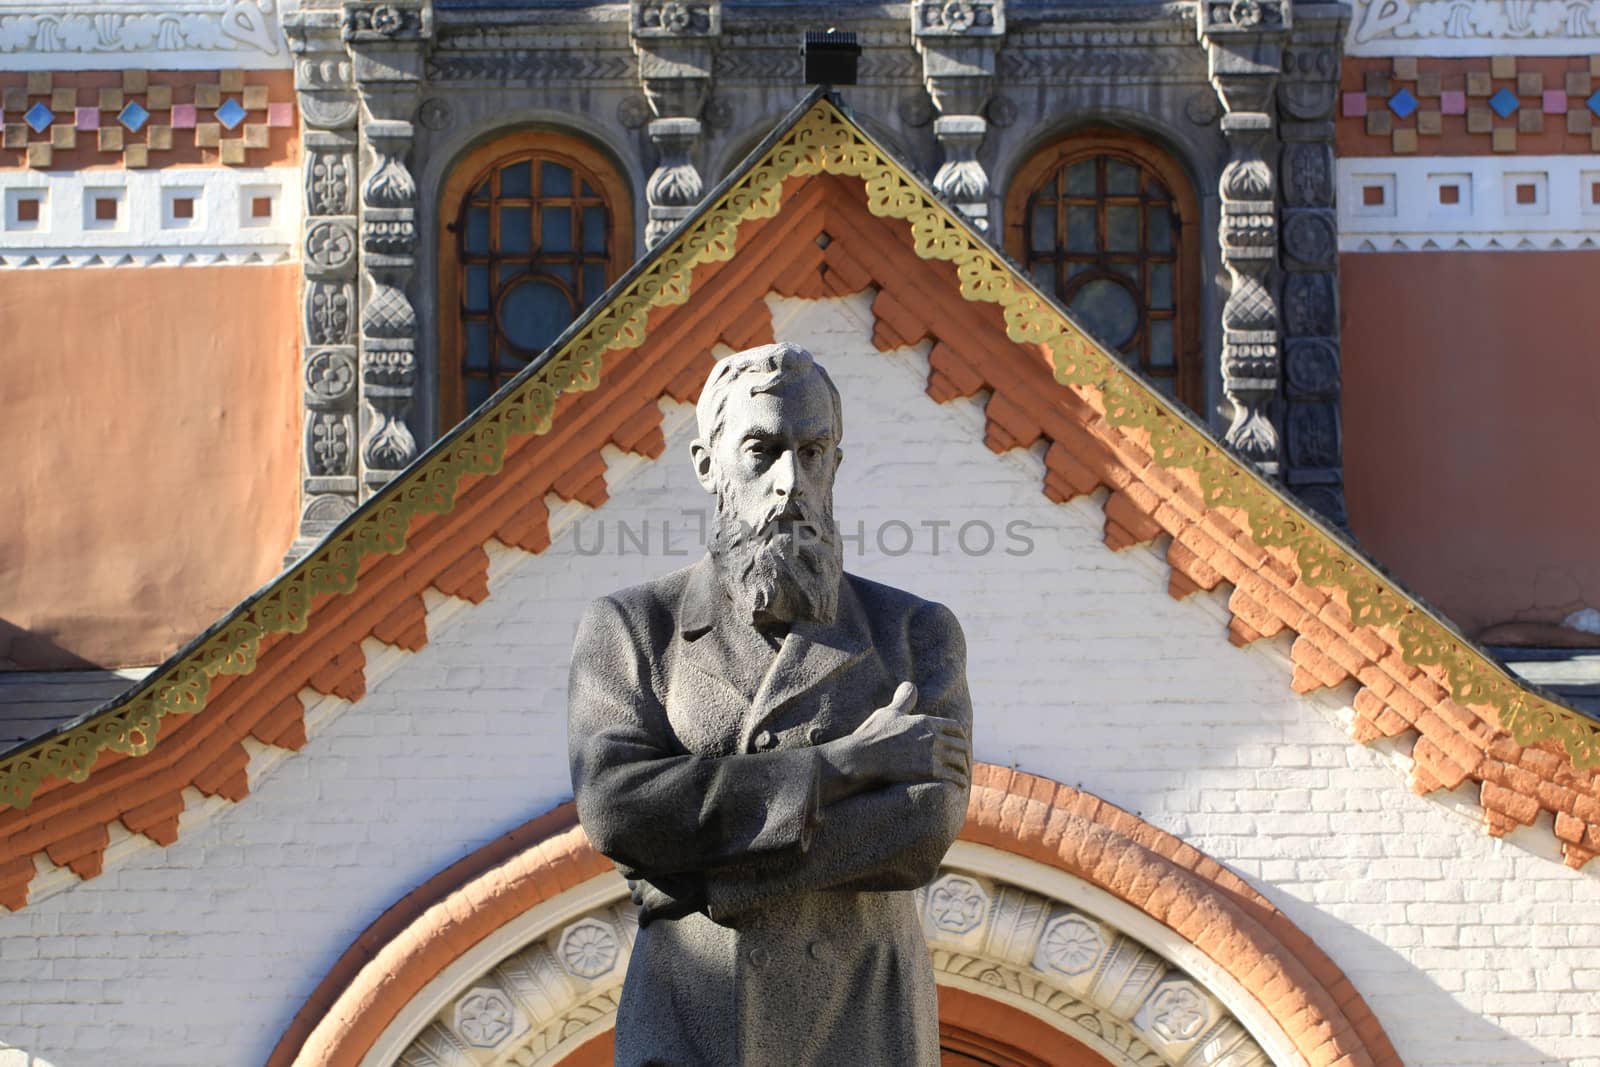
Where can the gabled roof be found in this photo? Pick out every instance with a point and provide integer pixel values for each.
(818, 209)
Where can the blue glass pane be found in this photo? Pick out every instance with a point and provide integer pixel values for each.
(588, 191)
(477, 392)
(557, 232)
(594, 282)
(517, 180)
(1042, 235)
(555, 180)
(533, 314)
(1161, 343)
(481, 192)
(560, 270)
(1158, 235)
(478, 230)
(1121, 179)
(594, 229)
(1080, 179)
(1122, 227)
(1107, 310)
(510, 272)
(477, 354)
(1081, 229)
(1161, 286)
(516, 230)
(1044, 276)
(477, 288)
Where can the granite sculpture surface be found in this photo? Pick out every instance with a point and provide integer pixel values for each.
(775, 753)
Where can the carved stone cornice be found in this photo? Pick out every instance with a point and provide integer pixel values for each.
(155, 35)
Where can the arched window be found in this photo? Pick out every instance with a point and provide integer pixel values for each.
(535, 226)
(1108, 223)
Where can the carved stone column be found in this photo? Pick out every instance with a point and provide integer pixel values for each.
(386, 43)
(325, 87)
(958, 40)
(1312, 463)
(1244, 44)
(676, 41)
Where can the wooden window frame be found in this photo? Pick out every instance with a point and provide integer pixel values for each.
(1042, 166)
(588, 163)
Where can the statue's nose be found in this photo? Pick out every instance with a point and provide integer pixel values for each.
(785, 476)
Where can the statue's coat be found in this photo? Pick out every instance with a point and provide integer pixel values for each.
(692, 765)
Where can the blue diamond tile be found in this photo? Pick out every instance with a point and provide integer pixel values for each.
(230, 114)
(133, 116)
(39, 117)
(1403, 103)
(1594, 102)
(1504, 102)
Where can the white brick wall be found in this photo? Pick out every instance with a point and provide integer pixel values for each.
(1471, 951)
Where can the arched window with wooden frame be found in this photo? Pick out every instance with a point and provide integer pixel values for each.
(1109, 223)
(534, 226)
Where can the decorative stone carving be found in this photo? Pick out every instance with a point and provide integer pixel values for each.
(485, 1017)
(1474, 27)
(328, 108)
(589, 949)
(1071, 945)
(386, 43)
(956, 904)
(1307, 91)
(1089, 980)
(958, 41)
(1244, 43)
(165, 35)
(676, 45)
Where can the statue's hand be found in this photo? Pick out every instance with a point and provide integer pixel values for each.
(895, 745)
(673, 899)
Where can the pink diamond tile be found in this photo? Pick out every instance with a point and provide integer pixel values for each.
(1355, 105)
(88, 118)
(183, 116)
(280, 114)
(1453, 102)
(1555, 102)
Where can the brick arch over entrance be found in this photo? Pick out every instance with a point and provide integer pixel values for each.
(427, 951)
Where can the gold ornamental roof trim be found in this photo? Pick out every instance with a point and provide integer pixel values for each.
(818, 137)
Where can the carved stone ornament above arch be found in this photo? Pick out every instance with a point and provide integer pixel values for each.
(1054, 904)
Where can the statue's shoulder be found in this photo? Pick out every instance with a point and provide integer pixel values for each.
(883, 603)
(648, 607)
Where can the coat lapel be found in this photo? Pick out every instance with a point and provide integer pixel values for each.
(703, 648)
(811, 654)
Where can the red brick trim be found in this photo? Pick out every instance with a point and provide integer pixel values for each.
(1213, 909)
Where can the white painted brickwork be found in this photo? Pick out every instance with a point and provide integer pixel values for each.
(1472, 951)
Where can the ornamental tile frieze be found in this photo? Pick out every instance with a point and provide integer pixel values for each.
(1545, 105)
(65, 120)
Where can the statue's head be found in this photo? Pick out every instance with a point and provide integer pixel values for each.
(768, 448)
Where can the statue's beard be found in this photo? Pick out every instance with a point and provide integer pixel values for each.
(784, 568)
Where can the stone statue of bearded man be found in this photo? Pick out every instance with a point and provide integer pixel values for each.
(775, 753)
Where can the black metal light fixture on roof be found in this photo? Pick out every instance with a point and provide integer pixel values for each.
(831, 57)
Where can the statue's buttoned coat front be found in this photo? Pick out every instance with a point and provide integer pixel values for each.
(694, 764)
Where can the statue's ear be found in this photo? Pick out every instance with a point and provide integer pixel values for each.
(838, 458)
(701, 454)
